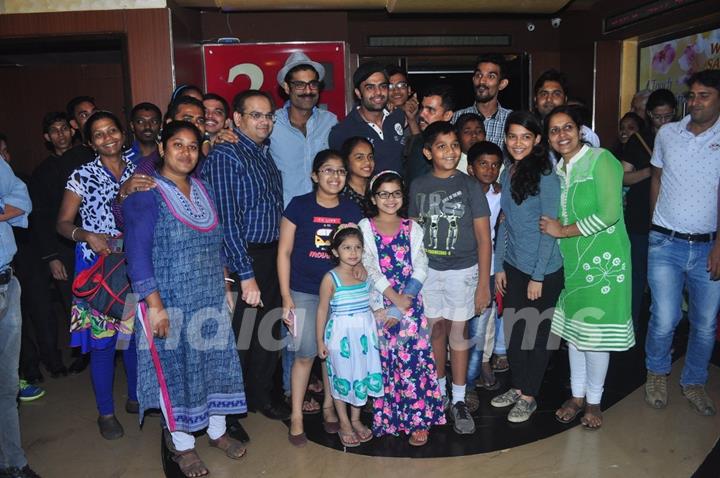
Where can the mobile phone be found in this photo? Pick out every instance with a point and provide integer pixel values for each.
(293, 317)
(115, 244)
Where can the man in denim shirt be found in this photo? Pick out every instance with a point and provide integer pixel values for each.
(15, 206)
(301, 128)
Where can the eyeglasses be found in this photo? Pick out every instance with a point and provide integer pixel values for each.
(258, 116)
(664, 118)
(298, 85)
(400, 85)
(386, 195)
(333, 172)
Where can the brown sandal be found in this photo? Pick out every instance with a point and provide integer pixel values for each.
(419, 437)
(233, 448)
(190, 463)
(591, 411)
(361, 431)
(574, 408)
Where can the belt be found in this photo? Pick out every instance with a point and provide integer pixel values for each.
(707, 237)
(5, 276)
(261, 246)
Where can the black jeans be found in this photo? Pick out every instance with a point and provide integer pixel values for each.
(528, 359)
(257, 359)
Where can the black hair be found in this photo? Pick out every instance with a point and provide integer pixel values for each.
(216, 97)
(444, 91)
(661, 97)
(636, 118)
(183, 100)
(3, 138)
(709, 78)
(301, 67)
(395, 70)
(349, 145)
(483, 148)
(73, 103)
(525, 180)
(573, 112)
(97, 116)
(552, 75)
(434, 130)
(324, 156)
(238, 103)
(465, 118)
(339, 237)
(182, 90)
(53, 117)
(379, 180)
(494, 58)
(146, 106)
(171, 129)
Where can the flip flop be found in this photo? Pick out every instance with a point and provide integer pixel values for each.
(297, 440)
(307, 407)
(419, 437)
(330, 427)
(348, 439)
(592, 410)
(571, 405)
(363, 433)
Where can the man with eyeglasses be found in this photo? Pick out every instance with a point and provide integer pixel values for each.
(371, 120)
(551, 91)
(488, 81)
(247, 189)
(684, 251)
(301, 128)
(635, 159)
(401, 96)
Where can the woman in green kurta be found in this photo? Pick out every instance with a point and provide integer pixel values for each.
(593, 311)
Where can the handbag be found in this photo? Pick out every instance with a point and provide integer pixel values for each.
(104, 285)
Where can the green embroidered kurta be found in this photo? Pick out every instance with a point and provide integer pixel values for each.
(593, 311)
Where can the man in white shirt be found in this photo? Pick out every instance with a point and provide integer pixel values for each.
(683, 250)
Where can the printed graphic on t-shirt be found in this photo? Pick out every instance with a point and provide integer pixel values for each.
(440, 216)
(323, 236)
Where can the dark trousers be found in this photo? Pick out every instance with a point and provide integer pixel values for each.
(258, 362)
(639, 256)
(528, 359)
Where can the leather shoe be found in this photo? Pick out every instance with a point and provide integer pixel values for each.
(58, 371)
(79, 364)
(274, 412)
(236, 431)
(110, 427)
(24, 472)
(132, 406)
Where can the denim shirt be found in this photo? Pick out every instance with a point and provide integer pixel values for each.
(294, 152)
(13, 192)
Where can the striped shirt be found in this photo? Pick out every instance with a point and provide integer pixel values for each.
(247, 189)
(494, 125)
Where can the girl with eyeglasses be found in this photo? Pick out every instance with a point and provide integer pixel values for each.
(397, 266)
(306, 231)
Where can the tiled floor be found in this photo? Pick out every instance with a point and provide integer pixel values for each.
(61, 440)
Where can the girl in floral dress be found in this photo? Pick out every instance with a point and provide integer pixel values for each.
(396, 263)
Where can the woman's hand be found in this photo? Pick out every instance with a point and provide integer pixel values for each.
(288, 312)
(500, 282)
(534, 290)
(225, 135)
(136, 183)
(98, 243)
(359, 272)
(159, 322)
(322, 350)
(402, 301)
(551, 227)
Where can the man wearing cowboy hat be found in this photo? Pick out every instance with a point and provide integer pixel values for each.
(301, 128)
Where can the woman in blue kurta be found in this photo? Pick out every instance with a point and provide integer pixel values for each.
(187, 362)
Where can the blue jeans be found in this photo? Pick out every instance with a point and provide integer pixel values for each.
(11, 453)
(672, 264)
(288, 357)
(477, 326)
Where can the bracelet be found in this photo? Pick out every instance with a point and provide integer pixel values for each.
(72, 234)
(229, 280)
(122, 196)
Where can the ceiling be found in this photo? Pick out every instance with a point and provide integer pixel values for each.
(392, 6)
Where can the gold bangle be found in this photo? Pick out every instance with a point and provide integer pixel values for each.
(72, 234)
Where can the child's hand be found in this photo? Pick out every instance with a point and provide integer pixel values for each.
(500, 282)
(534, 291)
(380, 315)
(322, 351)
(482, 299)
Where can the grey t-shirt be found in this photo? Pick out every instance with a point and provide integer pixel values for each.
(445, 208)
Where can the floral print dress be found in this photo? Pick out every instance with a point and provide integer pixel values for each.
(412, 399)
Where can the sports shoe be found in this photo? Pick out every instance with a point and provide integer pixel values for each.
(656, 390)
(446, 403)
(506, 399)
(28, 392)
(521, 411)
(699, 399)
(463, 421)
(24, 472)
(472, 400)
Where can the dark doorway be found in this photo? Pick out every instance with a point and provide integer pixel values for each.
(38, 75)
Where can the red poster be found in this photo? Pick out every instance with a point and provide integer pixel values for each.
(230, 69)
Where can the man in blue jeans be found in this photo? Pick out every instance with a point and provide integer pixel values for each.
(683, 250)
(15, 206)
